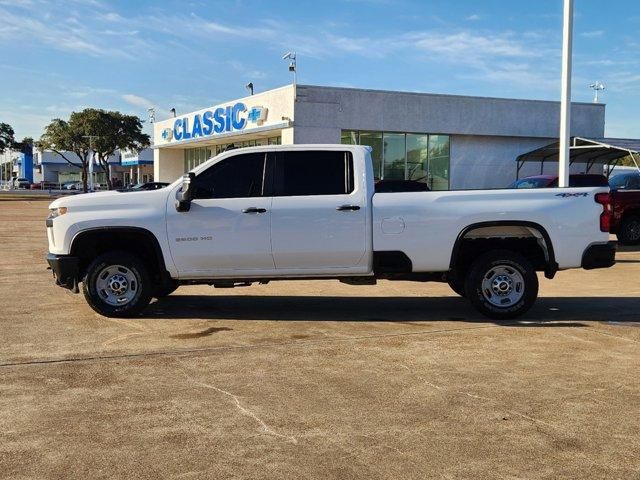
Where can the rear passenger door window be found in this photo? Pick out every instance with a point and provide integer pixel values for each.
(301, 173)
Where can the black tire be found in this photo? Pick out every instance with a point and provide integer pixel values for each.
(104, 270)
(629, 233)
(457, 286)
(166, 288)
(511, 284)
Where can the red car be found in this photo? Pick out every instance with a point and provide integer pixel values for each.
(625, 204)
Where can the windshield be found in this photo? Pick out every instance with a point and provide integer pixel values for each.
(626, 180)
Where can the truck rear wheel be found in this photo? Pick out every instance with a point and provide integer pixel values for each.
(502, 284)
(117, 284)
(629, 233)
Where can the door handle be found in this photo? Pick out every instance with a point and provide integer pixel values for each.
(344, 208)
(254, 210)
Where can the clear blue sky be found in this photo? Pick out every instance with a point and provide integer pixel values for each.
(58, 57)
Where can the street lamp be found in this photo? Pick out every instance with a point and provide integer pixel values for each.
(596, 87)
(293, 67)
(249, 87)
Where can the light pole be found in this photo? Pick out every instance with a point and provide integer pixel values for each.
(565, 101)
(293, 67)
(596, 87)
(91, 159)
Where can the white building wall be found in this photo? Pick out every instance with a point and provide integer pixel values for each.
(168, 164)
(489, 162)
(358, 109)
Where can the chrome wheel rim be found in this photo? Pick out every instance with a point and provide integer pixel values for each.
(634, 230)
(117, 285)
(502, 286)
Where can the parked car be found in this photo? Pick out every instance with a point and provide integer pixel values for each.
(551, 181)
(625, 181)
(44, 186)
(625, 206)
(21, 182)
(306, 211)
(72, 186)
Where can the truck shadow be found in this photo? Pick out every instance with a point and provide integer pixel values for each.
(546, 312)
(628, 248)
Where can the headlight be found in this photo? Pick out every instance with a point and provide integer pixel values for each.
(56, 212)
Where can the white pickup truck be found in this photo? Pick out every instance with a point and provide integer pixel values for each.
(312, 212)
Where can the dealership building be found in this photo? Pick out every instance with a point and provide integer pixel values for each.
(448, 141)
(125, 167)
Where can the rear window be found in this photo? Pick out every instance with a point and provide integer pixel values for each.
(531, 183)
(588, 181)
(299, 173)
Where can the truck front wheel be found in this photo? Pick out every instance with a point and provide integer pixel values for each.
(502, 284)
(117, 284)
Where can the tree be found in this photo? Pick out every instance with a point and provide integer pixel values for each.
(94, 130)
(6, 137)
(115, 131)
(63, 137)
(25, 145)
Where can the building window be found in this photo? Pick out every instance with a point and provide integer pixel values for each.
(439, 157)
(195, 156)
(373, 140)
(394, 156)
(349, 137)
(410, 156)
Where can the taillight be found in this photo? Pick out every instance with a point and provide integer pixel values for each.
(604, 199)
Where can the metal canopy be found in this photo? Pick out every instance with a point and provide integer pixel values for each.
(590, 151)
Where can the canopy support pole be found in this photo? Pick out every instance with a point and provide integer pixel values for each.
(565, 101)
(633, 157)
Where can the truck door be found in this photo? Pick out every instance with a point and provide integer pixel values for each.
(318, 214)
(227, 229)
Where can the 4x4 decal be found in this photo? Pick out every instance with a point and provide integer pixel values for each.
(565, 195)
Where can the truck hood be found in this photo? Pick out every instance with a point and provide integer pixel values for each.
(110, 199)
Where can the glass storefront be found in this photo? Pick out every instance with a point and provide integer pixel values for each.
(406, 156)
(195, 156)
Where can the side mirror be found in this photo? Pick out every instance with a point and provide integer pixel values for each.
(185, 195)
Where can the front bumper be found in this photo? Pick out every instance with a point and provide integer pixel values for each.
(602, 255)
(65, 270)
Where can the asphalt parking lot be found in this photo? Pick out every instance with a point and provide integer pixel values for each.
(315, 379)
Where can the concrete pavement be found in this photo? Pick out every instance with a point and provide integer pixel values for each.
(315, 379)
